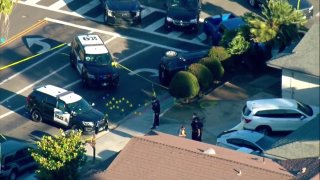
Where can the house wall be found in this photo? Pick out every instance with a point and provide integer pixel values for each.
(300, 86)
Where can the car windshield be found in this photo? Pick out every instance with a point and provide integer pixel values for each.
(184, 3)
(99, 59)
(265, 142)
(305, 108)
(79, 106)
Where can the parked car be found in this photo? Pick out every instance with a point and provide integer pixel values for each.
(250, 142)
(117, 11)
(65, 108)
(93, 61)
(182, 14)
(173, 62)
(215, 26)
(277, 114)
(15, 158)
(305, 6)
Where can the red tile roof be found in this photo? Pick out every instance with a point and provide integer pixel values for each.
(160, 156)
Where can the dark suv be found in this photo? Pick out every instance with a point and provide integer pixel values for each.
(173, 62)
(66, 108)
(125, 10)
(93, 61)
(15, 158)
(183, 14)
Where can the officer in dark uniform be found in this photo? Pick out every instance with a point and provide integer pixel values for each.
(156, 112)
(196, 126)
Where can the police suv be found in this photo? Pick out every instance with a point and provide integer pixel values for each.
(66, 108)
(93, 61)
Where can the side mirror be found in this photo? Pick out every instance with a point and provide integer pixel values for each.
(73, 113)
(302, 117)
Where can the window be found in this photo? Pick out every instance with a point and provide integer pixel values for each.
(51, 101)
(278, 113)
(22, 153)
(61, 106)
(246, 111)
(8, 159)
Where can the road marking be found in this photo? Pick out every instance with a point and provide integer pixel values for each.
(146, 12)
(112, 34)
(136, 53)
(31, 66)
(59, 4)
(33, 27)
(38, 41)
(100, 19)
(109, 40)
(87, 7)
(154, 26)
(175, 33)
(200, 37)
(32, 1)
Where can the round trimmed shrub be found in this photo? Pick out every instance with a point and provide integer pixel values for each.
(203, 75)
(219, 53)
(184, 85)
(214, 66)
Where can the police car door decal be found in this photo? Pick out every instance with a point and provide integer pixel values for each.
(61, 117)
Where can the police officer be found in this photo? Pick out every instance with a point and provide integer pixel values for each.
(196, 126)
(156, 112)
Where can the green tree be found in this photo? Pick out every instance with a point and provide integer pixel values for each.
(214, 66)
(184, 85)
(280, 23)
(238, 45)
(203, 75)
(60, 156)
(6, 7)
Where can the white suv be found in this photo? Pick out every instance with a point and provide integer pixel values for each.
(276, 114)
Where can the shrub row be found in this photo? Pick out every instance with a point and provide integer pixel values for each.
(199, 76)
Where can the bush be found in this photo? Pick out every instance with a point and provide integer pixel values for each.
(184, 85)
(238, 45)
(214, 66)
(203, 75)
(219, 53)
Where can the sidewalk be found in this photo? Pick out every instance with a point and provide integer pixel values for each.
(220, 109)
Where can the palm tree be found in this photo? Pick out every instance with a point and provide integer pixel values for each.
(6, 7)
(280, 23)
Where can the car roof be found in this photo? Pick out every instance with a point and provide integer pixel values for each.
(90, 39)
(96, 49)
(10, 146)
(63, 94)
(275, 103)
(247, 135)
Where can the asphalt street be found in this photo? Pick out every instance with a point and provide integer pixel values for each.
(38, 42)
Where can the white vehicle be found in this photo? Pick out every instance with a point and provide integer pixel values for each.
(278, 114)
(246, 141)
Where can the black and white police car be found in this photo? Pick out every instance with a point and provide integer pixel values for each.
(93, 61)
(66, 108)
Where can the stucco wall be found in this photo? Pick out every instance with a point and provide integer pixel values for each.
(301, 87)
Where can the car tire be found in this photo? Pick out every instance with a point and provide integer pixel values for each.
(12, 175)
(266, 130)
(36, 116)
(210, 40)
(253, 3)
